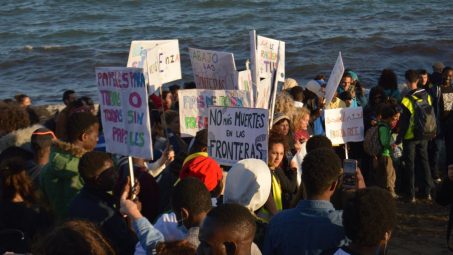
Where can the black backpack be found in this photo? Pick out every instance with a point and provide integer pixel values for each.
(425, 126)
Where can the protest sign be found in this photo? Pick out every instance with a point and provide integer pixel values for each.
(244, 82)
(213, 69)
(237, 133)
(344, 125)
(334, 79)
(164, 59)
(447, 98)
(163, 64)
(194, 103)
(263, 94)
(269, 54)
(124, 111)
(137, 52)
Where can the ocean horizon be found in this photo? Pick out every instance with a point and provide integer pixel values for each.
(47, 47)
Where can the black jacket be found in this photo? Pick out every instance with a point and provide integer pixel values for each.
(98, 207)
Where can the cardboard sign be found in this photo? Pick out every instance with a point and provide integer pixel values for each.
(334, 79)
(213, 69)
(447, 98)
(263, 94)
(194, 103)
(123, 100)
(244, 82)
(163, 64)
(237, 133)
(138, 50)
(165, 58)
(267, 53)
(344, 125)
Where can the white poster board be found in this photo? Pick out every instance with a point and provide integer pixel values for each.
(344, 125)
(166, 59)
(138, 50)
(237, 133)
(334, 79)
(268, 56)
(163, 64)
(447, 98)
(244, 82)
(194, 104)
(123, 100)
(213, 69)
(263, 93)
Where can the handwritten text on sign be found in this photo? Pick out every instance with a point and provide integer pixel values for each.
(213, 69)
(237, 133)
(344, 125)
(268, 55)
(194, 103)
(163, 64)
(124, 111)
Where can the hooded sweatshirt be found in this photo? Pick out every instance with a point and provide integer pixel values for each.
(248, 183)
(20, 138)
(59, 179)
(202, 167)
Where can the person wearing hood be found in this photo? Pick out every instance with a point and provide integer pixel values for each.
(41, 144)
(59, 179)
(16, 127)
(248, 183)
(96, 204)
(199, 165)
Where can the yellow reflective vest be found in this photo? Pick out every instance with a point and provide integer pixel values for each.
(406, 102)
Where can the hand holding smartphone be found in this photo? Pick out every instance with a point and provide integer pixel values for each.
(349, 170)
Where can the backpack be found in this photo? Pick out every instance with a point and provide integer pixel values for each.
(425, 126)
(371, 143)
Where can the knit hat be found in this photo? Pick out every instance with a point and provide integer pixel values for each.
(202, 167)
(248, 183)
(315, 87)
(289, 83)
(278, 116)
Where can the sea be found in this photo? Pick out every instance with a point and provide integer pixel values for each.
(48, 46)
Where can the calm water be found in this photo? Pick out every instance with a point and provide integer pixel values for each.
(47, 46)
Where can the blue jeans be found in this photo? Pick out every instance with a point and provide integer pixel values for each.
(419, 149)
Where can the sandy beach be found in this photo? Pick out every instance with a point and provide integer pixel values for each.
(421, 229)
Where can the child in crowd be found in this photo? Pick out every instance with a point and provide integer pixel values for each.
(383, 170)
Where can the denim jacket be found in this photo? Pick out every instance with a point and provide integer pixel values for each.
(309, 228)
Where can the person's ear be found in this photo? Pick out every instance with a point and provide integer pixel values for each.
(230, 248)
(387, 236)
(204, 149)
(333, 186)
(184, 213)
(84, 136)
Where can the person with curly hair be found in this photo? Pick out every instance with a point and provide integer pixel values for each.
(15, 126)
(368, 220)
(389, 82)
(21, 208)
(74, 237)
(284, 103)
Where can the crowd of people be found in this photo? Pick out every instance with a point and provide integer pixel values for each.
(62, 193)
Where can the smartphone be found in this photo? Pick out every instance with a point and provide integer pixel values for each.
(349, 169)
